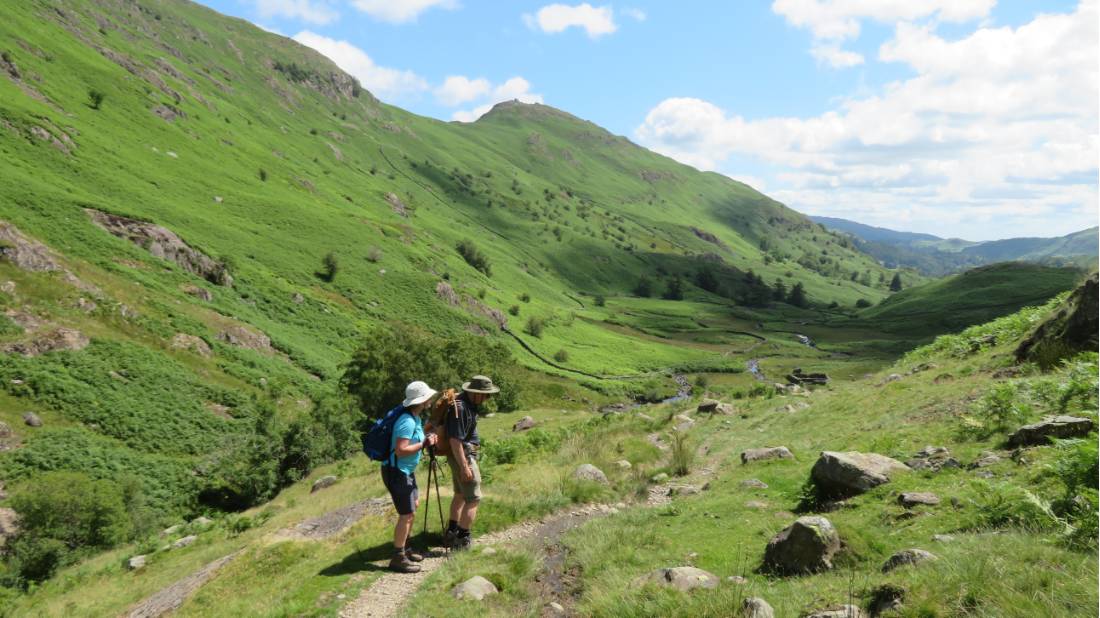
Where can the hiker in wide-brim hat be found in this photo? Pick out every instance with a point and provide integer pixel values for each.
(462, 434)
(399, 471)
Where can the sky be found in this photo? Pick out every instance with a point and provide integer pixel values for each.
(973, 119)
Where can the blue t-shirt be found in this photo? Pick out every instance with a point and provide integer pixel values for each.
(408, 426)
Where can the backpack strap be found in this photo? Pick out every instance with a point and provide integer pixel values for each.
(392, 461)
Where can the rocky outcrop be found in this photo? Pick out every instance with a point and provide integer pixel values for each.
(588, 472)
(25, 253)
(183, 341)
(912, 499)
(1073, 328)
(764, 454)
(198, 292)
(710, 406)
(755, 607)
(475, 588)
(397, 205)
(9, 524)
(907, 557)
(683, 578)
(246, 338)
(843, 611)
(1046, 430)
(172, 597)
(165, 244)
(322, 483)
(932, 458)
(840, 475)
(799, 378)
(806, 546)
(56, 340)
(524, 424)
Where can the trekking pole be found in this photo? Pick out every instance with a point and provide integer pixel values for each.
(438, 497)
(428, 504)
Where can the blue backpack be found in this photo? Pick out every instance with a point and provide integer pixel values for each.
(377, 441)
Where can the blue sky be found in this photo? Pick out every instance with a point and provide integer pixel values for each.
(964, 118)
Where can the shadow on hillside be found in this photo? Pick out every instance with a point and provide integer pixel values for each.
(373, 559)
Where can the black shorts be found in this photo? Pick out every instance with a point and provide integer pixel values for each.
(402, 488)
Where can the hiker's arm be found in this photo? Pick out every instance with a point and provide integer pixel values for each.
(403, 449)
(459, 453)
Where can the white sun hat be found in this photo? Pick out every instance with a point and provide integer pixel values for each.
(417, 392)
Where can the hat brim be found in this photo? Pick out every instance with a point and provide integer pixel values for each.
(419, 400)
(492, 391)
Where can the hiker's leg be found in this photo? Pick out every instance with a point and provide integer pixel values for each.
(471, 495)
(469, 514)
(401, 530)
(457, 502)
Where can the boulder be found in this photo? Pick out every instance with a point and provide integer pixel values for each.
(943, 538)
(907, 557)
(588, 472)
(7, 287)
(170, 530)
(755, 607)
(683, 578)
(737, 579)
(806, 546)
(32, 419)
(683, 490)
(932, 458)
(764, 454)
(25, 253)
(202, 521)
(524, 424)
(1051, 427)
(185, 541)
(799, 378)
(846, 474)
(707, 406)
(623, 464)
(659, 478)
(183, 341)
(886, 598)
(759, 505)
(199, 293)
(297, 298)
(476, 588)
(843, 611)
(323, 482)
(247, 338)
(554, 608)
(5, 430)
(9, 524)
(754, 484)
(985, 459)
(911, 499)
(136, 562)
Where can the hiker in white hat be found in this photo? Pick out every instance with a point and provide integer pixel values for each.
(399, 471)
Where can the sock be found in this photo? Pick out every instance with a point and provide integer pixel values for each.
(462, 532)
(400, 551)
(452, 526)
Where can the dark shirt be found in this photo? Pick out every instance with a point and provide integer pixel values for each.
(463, 427)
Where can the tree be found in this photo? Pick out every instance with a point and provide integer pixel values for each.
(674, 290)
(329, 267)
(797, 296)
(779, 291)
(707, 280)
(863, 303)
(474, 257)
(95, 98)
(895, 283)
(644, 288)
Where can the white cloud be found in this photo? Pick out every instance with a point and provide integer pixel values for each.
(310, 11)
(459, 89)
(634, 13)
(383, 82)
(835, 57)
(515, 88)
(840, 19)
(400, 11)
(555, 18)
(994, 129)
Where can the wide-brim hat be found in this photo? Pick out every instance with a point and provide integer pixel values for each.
(480, 384)
(416, 393)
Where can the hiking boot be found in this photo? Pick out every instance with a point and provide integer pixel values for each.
(462, 543)
(413, 555)
(401, 564)
(449, 537)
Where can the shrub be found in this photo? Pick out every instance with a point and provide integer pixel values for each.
(95, 98)
(701, 381)
(379, 370)
(644, 288)
(534, 326)
(263, 175)
(329, 267)
(1076, 468)
(561, 356)
(374, 255)
(1000, 408)
(525, 297)
(674, 290)
(1008, 506)
(474, 257)
(863, 303)
(600, 300)
(514, 309)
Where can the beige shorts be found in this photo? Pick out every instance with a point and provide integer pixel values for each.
(470, 491)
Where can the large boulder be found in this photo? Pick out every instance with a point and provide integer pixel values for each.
(683, 578)
(588, 472)
(1050, 428)
(846, 474)
(136, 562)
(907, 557)
(843, 611)
(1073, 328)
(806, 546)
(247, 338)
(32, 419)
(322, 483)
(476, 588)
(766, 453)
(755, 607)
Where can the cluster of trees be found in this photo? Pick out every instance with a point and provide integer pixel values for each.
(474, 257)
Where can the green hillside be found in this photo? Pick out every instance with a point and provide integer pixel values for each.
(201, 222)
